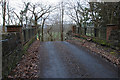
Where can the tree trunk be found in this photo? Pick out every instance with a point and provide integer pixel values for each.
(8, 13)
(62, 23)
(51, 37)
(85, 30)
(4, 12)
(35, 21)
(39, 34)
(95, 32)
(80, 28)
(42, 29)
(26, 20)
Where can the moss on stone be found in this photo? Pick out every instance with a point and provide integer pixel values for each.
(112, 52)
(101, 42)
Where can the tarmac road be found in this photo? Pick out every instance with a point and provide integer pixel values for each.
(64, 60)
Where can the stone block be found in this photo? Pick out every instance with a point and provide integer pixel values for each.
(14, 28)
(110, 27)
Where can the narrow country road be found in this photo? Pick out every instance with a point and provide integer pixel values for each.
(64, 60)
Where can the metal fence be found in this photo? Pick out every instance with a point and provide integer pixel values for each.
(90, 31)
(28, 33)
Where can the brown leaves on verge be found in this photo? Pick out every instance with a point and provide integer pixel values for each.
(27, 67)
(97, 49)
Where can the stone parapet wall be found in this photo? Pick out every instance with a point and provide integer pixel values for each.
(11, 51)
(9, 42)
(14, 44)
(115, 37)
(110, 28)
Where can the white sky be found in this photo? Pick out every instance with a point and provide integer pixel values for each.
(18, 4)
(34, 1)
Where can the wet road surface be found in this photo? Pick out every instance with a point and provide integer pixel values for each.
(64, 60)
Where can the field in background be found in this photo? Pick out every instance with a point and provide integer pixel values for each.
(56, 36)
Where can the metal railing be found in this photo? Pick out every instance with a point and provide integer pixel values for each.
(28, 33)
(90, 31)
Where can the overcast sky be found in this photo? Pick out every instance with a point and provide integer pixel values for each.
(18, 5)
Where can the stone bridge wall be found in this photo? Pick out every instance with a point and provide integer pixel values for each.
(115, 37)
(11, 51)
(14, 45)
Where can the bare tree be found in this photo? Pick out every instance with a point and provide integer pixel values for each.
(38, 10)
(8, 10)
(22, 14)
(78, 12)
(4, 13)
(73, 13)
(44, 18)
(62, 15)
(50, 33)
